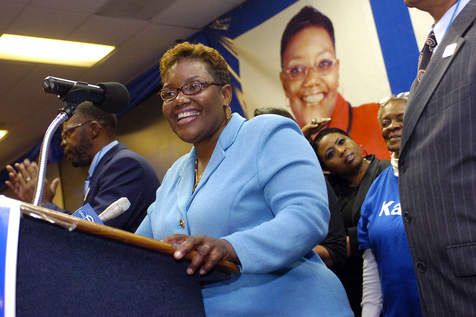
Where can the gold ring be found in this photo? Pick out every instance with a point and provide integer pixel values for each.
(28, 179)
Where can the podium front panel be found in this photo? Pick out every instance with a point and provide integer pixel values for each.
(63, 273)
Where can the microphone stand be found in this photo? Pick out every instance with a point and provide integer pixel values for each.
(65, 113)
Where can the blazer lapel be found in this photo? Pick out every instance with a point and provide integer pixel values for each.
(217, 157)
(226, 139)
(421, 92)
(185, 183)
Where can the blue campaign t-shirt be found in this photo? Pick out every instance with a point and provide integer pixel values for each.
(381, 229)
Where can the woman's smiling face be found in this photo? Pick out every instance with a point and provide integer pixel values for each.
(195, 118)
(391, 121)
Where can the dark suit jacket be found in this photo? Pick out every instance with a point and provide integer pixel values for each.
(335, 241)
(437, 169)
(123, 173)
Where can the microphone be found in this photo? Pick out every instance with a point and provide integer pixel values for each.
(108, 96)
(115, 209)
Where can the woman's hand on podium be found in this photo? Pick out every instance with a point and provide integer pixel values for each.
(209, 251)
(23, 179)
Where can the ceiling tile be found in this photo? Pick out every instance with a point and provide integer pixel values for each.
(193, 15)
(27, 96)
(104, 30)
(32, 22)
(15, 72)
(133, 9)
(159, 37)
(122, 66)
(82, 6)
(9, 12)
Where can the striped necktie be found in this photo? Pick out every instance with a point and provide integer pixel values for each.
(425, 54)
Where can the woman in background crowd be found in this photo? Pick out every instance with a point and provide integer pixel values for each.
(389, 282)
(350, 175)
(237, 196)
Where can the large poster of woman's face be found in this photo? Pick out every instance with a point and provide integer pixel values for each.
(328, 59)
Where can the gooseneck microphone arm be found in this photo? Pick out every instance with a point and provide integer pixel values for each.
(63, 115)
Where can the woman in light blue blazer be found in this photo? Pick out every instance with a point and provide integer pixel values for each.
(251, 192)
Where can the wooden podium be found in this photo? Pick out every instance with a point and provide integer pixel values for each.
(70, 267)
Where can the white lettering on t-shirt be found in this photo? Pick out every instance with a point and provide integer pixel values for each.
(390, 208)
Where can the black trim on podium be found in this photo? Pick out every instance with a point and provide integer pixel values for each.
(63, 273)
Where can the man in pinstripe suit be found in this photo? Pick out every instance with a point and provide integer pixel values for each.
(438, 163)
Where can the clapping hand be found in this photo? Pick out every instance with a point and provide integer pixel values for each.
(23, 179)
(209, 251)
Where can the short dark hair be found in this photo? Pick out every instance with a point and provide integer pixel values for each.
(217, 65)
(307, 17)
(107, 120)
(273, 110)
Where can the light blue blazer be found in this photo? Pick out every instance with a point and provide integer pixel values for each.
(264, 192)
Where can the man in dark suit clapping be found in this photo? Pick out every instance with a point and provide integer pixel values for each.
(438, 161)
(88, 139)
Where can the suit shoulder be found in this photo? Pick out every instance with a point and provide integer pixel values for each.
(176, 168)
(179, 163)
(126, 158)
(129, 155)
(270, 122)
(181, 160)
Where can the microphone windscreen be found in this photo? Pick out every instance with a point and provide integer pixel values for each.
(115, 209)
(123, 203)
(116, 97)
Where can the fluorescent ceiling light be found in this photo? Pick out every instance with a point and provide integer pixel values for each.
(3, 134)
(51, 51)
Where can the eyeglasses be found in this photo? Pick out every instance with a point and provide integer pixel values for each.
(299, 72)
(189, 89)
(400, 96)
(66, 133)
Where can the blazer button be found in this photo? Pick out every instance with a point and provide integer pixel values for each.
(421, 266)
(406, 217)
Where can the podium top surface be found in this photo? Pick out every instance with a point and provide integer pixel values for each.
(73, 223)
